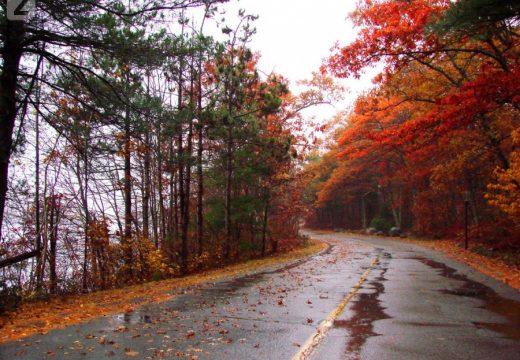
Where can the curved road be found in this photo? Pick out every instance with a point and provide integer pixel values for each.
(366, 298)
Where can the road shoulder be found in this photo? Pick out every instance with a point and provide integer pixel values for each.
(43, 316)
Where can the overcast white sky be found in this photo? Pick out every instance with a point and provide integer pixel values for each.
(294, 36)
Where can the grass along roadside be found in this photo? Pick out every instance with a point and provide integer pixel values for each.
(41, 317)
(492, 266)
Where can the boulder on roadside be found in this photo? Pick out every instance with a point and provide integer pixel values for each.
(395, 231)
(380, 233)
(370, 231)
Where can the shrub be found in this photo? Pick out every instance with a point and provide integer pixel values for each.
(381, 224)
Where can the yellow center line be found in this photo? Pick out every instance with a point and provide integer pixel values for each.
(321, 331)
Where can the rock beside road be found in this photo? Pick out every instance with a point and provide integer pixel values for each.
(395, 231)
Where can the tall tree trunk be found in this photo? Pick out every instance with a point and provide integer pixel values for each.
(170, 223)
(264, 226)
(147, 180)
(13, 34)
(154, 212)
(159, 177)
(200, 150)
(53, 239)
(172, 206)
(187, 191)
(84, 196)
(181, 182)
(227, 204)
(37, 201)
(200, 174)
(146, 187)
(200, 191)
(175, 234)
(42, 257)
(187, 177)
(127, 243)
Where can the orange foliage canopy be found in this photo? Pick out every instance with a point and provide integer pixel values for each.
(440, 123)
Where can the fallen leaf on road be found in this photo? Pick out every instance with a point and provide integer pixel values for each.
(121, 328)
(131, 353)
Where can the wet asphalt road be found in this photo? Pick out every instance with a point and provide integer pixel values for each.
(414, 304)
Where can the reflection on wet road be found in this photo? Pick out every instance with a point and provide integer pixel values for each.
(491, 301)
(366, 309)
(413, 304)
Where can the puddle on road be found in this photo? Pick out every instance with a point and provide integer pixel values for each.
(509, 309)
(366, 310)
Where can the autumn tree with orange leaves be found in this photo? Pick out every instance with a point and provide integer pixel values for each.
(441, 121)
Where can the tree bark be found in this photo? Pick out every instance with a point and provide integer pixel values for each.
(173, 213)
(264, 227)
(53, 240)
(83, 188)
(187, 186)
(37, 202)
(181, 182)
(13, 36)
(127, 237)
(200, 191)
(200, 174)
(19, 258)
(162, 216)
(227, 204)
(146, 187)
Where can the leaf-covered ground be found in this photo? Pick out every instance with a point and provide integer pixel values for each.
(43, 316)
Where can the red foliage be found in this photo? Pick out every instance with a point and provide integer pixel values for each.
(439, 123)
